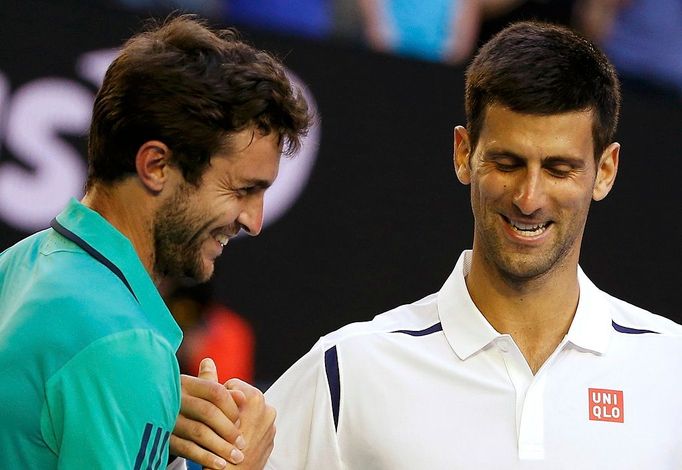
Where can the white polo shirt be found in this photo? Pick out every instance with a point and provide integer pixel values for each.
(432, 385)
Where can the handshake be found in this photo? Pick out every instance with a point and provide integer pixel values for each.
(221, 426)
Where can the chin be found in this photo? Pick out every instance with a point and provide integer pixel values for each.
(526, 267)
(200, 272)
(524, 273)
(205, 274)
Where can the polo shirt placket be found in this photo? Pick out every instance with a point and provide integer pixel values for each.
(468, 332)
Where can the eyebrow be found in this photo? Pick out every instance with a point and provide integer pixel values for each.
(493, 153)
(257, 182)
(575, 161)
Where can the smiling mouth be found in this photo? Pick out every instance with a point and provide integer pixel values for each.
(223, 234)
(222, 239)
(528, 230)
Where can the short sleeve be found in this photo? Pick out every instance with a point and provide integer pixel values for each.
(114, 404)
(307, 399)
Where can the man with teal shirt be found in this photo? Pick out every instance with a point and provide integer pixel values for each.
(186, 135)
(78, 308)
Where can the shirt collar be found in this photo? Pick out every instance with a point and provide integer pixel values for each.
(465, 327)
(591, 328)
(467, 330)
(97, 232)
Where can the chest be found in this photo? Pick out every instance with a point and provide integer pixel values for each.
(582, 411)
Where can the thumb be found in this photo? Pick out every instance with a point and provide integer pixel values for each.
(208, 370)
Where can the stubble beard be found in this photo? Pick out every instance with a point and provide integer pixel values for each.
(517, 268)
(177, 240)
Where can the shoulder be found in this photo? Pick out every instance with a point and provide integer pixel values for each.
(68, 283)
(415, 317)
(63, 300)
(630, 317)
(22, 251)
(626, 317)
(360, 336)
(77, 311)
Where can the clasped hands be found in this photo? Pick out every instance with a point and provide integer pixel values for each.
(222, 426)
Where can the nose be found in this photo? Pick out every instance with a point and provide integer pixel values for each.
(251, 217)
(529, 193)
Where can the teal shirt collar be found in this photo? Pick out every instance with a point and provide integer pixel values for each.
(117, 251)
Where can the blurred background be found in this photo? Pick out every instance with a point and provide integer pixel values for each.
(369, 215)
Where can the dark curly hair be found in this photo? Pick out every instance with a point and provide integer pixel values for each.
(190, 87)
(540, 68)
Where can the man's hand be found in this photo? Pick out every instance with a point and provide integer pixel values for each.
(207, 428)
(219, 426)
(256, 423)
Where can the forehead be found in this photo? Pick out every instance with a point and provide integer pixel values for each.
(247, 155)
(561, 133)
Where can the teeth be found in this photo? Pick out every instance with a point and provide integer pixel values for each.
(528, 230)
(222, 239)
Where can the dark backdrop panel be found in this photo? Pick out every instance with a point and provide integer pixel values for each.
(383, 217)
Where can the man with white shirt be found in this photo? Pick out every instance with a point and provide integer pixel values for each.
(519, 361)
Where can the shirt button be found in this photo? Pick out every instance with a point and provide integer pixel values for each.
(503, 344)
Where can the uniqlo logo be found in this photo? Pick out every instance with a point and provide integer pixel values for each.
(606, 405)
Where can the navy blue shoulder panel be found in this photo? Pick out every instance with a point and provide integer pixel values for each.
(630, 331)
(331, 366)
(432, 329)
(66, 233)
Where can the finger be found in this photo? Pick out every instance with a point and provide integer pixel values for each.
(239, 385)
(256, 418)
(208, 370)
(210, 416)
(238, 397)
(254, 403)
(240, 400)
(254, 398)
(212, 392)
(189, 450)
(194, 440)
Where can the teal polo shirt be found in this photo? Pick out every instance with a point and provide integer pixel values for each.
(89, 377)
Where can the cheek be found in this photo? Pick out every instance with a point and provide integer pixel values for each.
(489, 188)
(574, 197)
(227, 208)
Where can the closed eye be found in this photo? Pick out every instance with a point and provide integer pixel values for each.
(560, 167)
(253, 186)
(503, 160)
(506, 167)
(506, 163)
(246, 190)
(560, 171)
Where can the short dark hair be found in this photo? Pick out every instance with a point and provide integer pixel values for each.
(190, 87)
(540, 68)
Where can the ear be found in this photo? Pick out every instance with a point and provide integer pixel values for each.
(607, 168)
(462, 155)
(152, 163)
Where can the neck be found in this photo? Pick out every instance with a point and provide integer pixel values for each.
(536, 312)
(123, 207)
